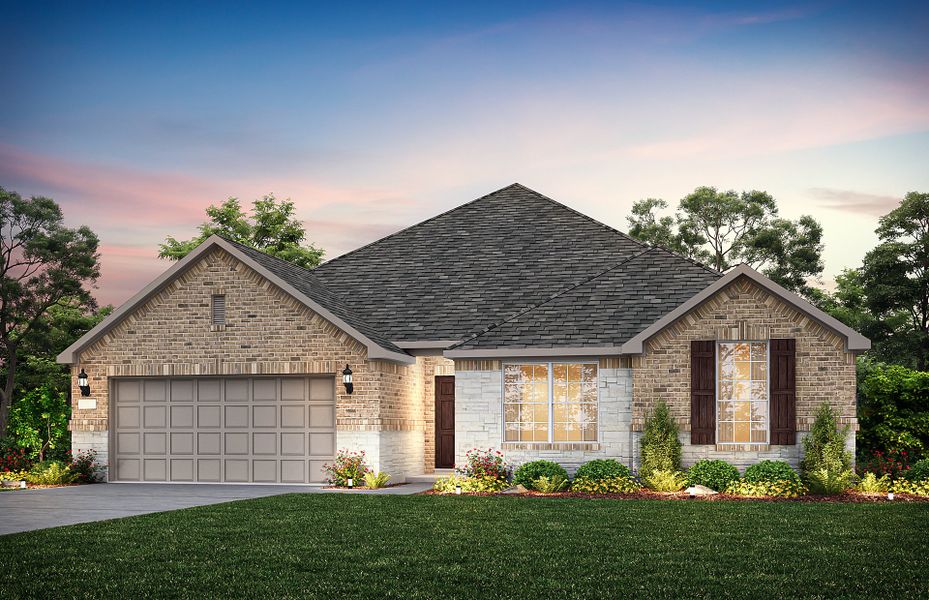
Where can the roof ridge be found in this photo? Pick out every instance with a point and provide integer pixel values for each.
(532, 307)
(429, 220)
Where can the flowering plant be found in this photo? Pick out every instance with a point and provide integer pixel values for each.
(347, 465)
(84, 465)
(14, 459)
(893, 462)
(485, 463)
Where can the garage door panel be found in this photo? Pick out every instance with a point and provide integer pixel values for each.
(236, 416)
(213, 429)
(155, 469)
(155, 391)
(127, 417)
(322, 416)
(182, 417)
(182, 443)
(182, 469)
(293, 471)
(208, 417)
(155, 443)
(127, 443)
(208, 469)
(322, 444)
(236, 470)
(209, 390)
(264, 443)
(155, 417)
(236, 390)
(182, 390)
(208, 443)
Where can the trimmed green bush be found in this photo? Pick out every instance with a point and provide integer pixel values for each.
(771, 471)
(918, 472)
(826, 466)
(660, 448)
(714, 474)
(527, 473)
(602, 468)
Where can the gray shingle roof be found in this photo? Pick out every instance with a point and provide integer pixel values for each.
(306, 282)
(606, 310)
(478, 264)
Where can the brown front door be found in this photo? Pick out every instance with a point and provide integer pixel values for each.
(445, 422)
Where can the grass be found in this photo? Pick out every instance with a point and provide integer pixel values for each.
(332, 546)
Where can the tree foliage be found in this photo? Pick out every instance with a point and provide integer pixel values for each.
(42, 264)
(896, 275)
(893, 411)
(724, 228)
(271, 227)
(39, 423)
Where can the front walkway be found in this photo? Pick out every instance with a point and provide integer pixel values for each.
(26, 510)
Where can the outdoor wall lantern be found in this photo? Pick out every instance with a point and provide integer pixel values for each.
(347, 380)
(83, 383)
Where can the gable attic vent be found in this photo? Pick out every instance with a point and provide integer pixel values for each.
(219, 309)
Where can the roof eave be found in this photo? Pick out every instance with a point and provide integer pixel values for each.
(534, 352)
(375, 350)
(854, 341)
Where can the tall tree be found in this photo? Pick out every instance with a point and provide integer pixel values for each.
(724, 228)
(896, 272)
(271, 228)
(42, 264)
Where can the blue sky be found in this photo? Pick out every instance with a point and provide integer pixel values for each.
(372, 117)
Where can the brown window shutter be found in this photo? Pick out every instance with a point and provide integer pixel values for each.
(703, 392)
(783, 371)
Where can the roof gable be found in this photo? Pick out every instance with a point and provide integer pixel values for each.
(453, 275)
(296, 281)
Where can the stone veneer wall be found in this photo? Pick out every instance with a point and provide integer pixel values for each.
(745, 311)
(267, 332)
(479, 417)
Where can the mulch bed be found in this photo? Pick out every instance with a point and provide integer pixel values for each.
(649, 495)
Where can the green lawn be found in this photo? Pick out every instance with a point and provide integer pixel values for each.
(331, 546)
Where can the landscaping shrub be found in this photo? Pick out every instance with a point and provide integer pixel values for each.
(892, 463)
(485, 463)
(662, 480)
(714, 474)
(602, 468)
(376, 480)
(38, 422)
(52, 472)
(826, 466)
(660, 446)
(485, 483)
(550, 485)
(918, 472)
(771, 471)
(13, 475)
(84, 466)
(621, 484)
(905, 486)
(13, 457)
(893, 414)
(347, 465)
(527, 473)
(872, 484)
(784, 488)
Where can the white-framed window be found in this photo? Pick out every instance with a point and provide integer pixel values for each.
(742, 396)
(550, 402)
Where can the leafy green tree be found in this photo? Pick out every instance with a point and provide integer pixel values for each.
(893, 411)
(42, 264)
(271, 228)
(724, 228)
(896, 273)
(39, 423)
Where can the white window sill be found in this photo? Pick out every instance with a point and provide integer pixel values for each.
(563, 446)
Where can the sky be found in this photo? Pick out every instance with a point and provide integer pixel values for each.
(135, 117)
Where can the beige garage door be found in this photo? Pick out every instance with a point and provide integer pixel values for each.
(232, 430)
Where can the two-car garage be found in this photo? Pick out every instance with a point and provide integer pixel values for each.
(222, 429)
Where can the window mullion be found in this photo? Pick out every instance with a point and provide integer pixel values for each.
(551, 403)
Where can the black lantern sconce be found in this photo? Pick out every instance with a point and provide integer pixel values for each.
(347, 380)
(83, 383)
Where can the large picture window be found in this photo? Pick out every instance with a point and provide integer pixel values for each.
(742, 392)
(550, 402)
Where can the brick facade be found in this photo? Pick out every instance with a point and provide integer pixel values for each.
(745, 311)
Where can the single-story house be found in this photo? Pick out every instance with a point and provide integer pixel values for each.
(511, 322)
